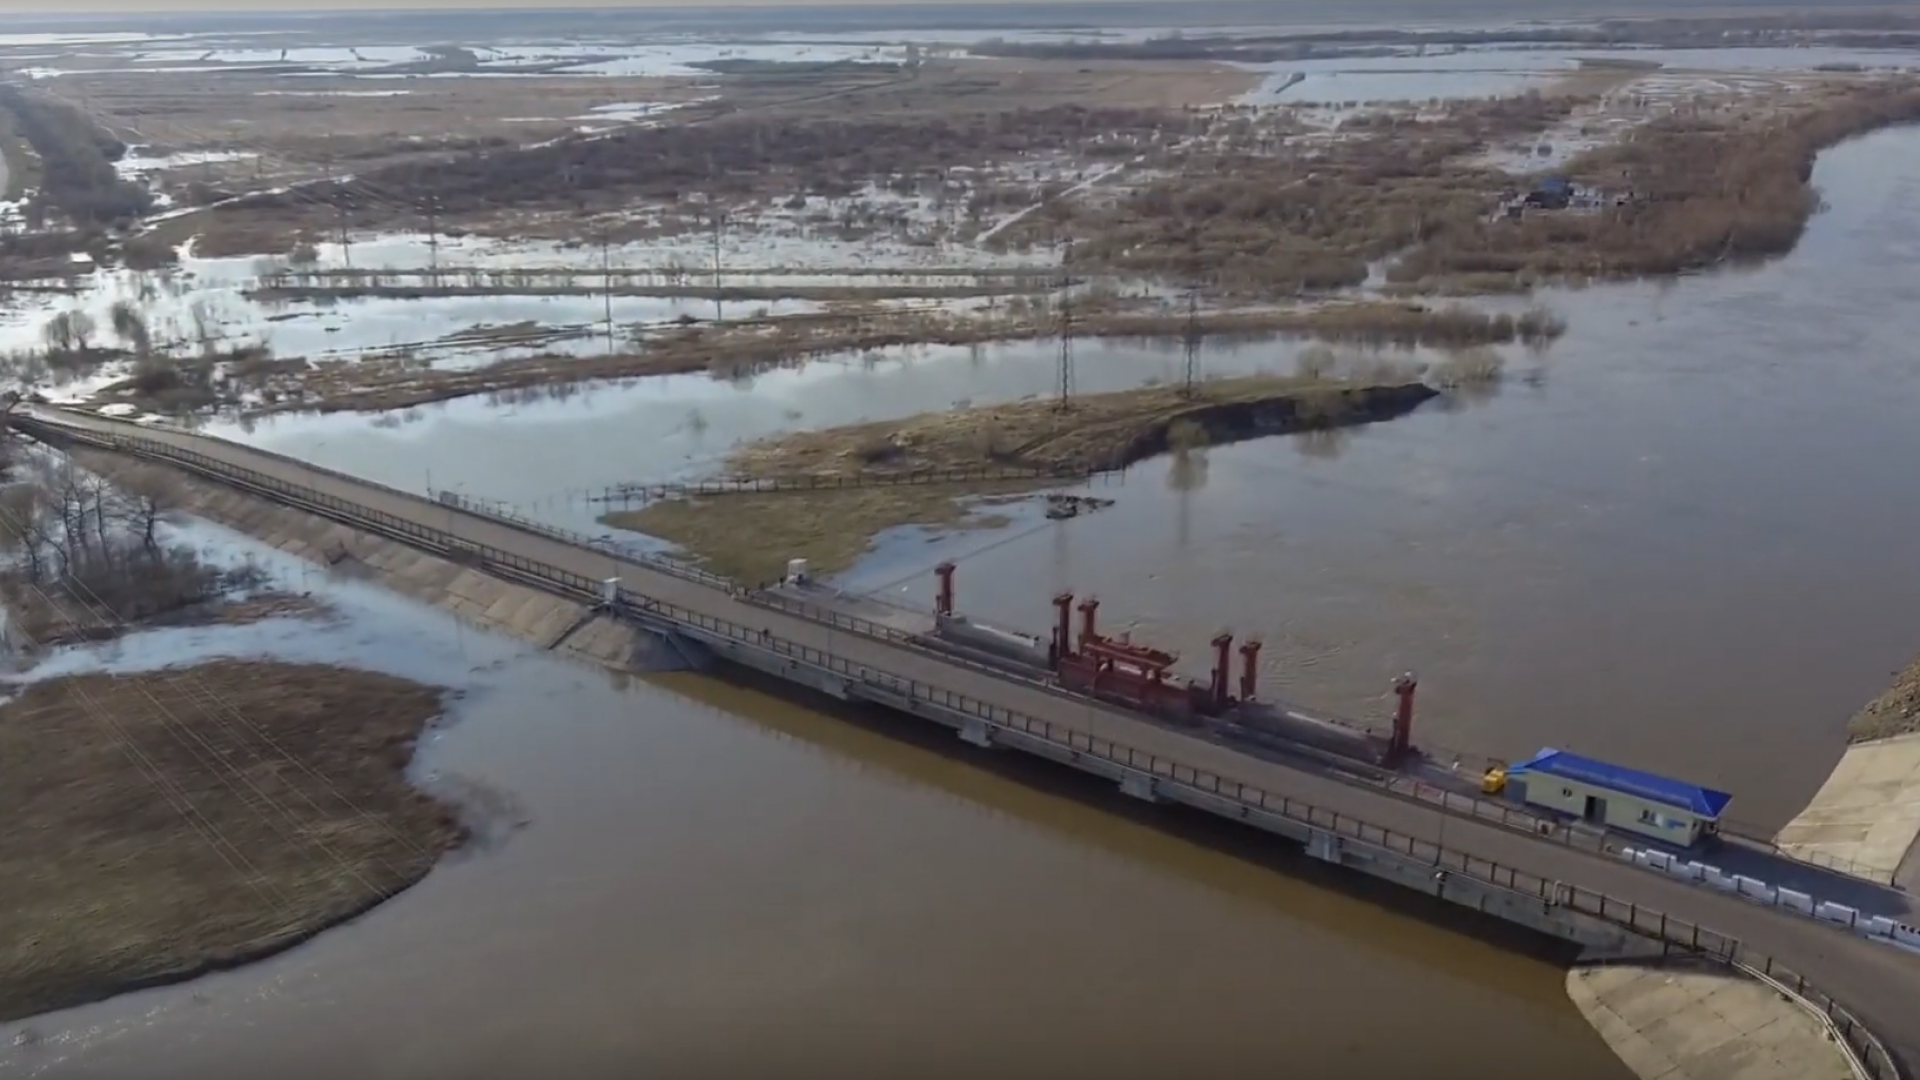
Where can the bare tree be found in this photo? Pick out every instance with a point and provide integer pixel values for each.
(131, 327)
(88, 551)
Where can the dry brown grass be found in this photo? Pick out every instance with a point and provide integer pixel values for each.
(750, 537)
(110, 887)
(1097, 431)
(1248, 219)
(1896, 712)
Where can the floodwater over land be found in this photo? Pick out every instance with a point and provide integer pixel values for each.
(680, 874)
(1677, 537)
(1678, 545)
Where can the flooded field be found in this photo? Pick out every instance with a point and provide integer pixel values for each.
(765, 885)
(1632, 553)
(1673, 537)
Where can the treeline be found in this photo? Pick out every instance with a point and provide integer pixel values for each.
(1839, 29)
(1278, 225)
(1696, 196)
(77, 177)
(86, 555)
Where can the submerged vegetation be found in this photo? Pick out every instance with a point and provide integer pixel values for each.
(749, 536)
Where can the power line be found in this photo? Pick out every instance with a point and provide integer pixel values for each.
(189, 738)
(1192, 343)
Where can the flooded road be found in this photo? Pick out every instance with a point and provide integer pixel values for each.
(1684, 546)
(705, 876)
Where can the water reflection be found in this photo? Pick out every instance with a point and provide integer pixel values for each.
(1676, 551)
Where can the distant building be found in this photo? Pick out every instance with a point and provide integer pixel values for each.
(1552, 193)
(1616, 797)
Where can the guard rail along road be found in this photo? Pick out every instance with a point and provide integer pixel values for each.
(1816, 961)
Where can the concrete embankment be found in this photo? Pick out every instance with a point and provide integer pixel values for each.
(479, 599)
(1697, 1020)
(1866, 818)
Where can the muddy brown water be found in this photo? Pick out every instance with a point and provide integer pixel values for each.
(1682, 541)
(713, 879)
(1687, 547)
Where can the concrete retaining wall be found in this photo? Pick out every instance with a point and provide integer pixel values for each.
(483, 601)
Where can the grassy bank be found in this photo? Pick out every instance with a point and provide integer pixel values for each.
(111, 886)
(1896, 712)
(750, 536)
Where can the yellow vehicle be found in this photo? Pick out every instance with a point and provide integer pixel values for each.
(1495, 781)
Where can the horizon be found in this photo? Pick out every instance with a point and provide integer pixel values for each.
(39, 13)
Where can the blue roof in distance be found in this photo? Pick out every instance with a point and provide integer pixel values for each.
(1693, 798)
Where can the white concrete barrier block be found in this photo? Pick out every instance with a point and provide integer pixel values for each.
(1659, 860)
(1836, 913)
(1719, 880)
(1640, 858)
(1907, 935)
(1629, 854)
(1754, 888)
(1687, 870)
(1798, 901)
(1877, 926)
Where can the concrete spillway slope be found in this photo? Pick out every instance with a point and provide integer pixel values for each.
(1687, 1021)
(1865, 818)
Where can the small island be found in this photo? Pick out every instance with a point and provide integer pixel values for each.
(824, 495)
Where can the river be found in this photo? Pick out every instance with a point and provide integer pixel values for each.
(1685, 545)
(711, 879)
(1679, 542)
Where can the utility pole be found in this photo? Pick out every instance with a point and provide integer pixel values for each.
(339, 199)
(1192, 344)
(346, 239)
(606, 281)
(1066, 329)
(719, 222)
(433, 239)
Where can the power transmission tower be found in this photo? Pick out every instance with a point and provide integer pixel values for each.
(606, 281)
(346, 235)
(719, 224)
(433, 239)
(1066, 329)
(1192, 344)
(340, 198)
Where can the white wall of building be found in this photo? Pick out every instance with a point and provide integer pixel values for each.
(1656, 820)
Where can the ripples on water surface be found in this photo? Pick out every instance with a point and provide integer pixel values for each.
(1686, 547)
(711, 877)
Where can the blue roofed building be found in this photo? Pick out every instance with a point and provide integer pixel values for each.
(1616, 797)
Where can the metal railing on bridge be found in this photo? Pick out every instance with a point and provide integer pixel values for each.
(1492, 811)
(1646, 922)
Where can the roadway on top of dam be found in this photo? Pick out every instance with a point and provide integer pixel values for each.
(1879, 983)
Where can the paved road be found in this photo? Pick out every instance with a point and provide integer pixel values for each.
(1879, 983)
